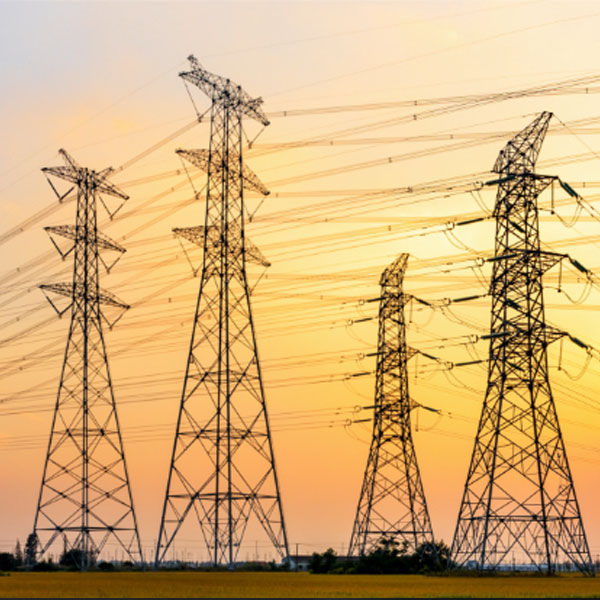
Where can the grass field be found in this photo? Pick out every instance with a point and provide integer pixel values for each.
(291, 585)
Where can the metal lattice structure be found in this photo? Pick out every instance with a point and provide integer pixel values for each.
(519, 501)
(392, 501)
(222, 473)
(85, 498)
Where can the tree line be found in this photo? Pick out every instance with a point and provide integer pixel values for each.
(388, 557)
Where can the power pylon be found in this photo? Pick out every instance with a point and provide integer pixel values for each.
(392, 501)
(222, 469)
(519, 500)
(85, 497)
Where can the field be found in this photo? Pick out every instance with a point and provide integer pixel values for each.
(291, 585)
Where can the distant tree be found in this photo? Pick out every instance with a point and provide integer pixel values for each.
(18, 554)
(31, 549)
(391, 557)
(323, 563)
(7, 561)
(433, 557)
(315, 563)
(387, 557)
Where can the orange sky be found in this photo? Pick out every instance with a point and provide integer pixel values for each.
(101, 81)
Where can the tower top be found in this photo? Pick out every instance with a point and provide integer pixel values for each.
(521, 152)
(75, 173)
(394, 273)
(224, 91)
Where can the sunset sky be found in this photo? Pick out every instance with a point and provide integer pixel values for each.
(366, 99)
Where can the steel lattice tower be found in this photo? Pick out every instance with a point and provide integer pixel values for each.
(392, 502)
(222, 469)
(85, 498)
(519, 495)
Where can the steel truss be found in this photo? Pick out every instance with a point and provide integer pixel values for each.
(222, 469)
(392, 501)
(519, 502)
(85, 497)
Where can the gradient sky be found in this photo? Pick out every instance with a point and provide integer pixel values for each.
(100, 79)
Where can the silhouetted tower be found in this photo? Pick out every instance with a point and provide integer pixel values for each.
(392, 502)
(222, 469)
(85, 498)
(519, 499)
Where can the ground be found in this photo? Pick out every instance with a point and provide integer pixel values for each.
(269, 585)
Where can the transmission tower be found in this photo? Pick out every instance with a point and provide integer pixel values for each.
(519, 500)
(85, 497)
(222, 469)
(392, 502)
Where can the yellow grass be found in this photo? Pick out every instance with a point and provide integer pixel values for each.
(268, 585)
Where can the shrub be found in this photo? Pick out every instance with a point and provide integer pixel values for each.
(7, 561)
(323, 563)
(43, 565)
(76, 559)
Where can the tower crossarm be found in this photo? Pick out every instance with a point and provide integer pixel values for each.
(515, 336)
(203, 158)
(224, 91)
(74, 173)
(539, 330)
(542, 260)
(67, 289)
(196, 235)
(71, 231)
(519, 190)
(389, 352)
